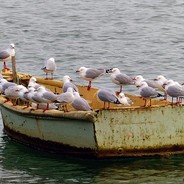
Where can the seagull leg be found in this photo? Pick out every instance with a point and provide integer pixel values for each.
(145, 102)
(66, 109)
(14, 102)
(26, 106)
(5, 67)
(46, 78)
(89, 86)
(108, 105)
(165, 96)
(121, 88)
(52, 76)
(47, 107)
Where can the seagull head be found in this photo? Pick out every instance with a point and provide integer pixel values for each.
(33, 79)
(67, 78)
(113, 70)
(160, 78)
(81, 69)
(12, 46)
(138, 78)
(52, 59)
(141, 85)
(121, 95)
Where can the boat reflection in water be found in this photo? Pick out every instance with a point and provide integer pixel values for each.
(24, 165)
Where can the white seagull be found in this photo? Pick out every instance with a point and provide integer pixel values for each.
(80, 103)
(147, 92)
(90, 74)
(33, 83)
(12, 93)
(140, 78)
(67, 82)
(125, 101)
(106, 95)
(65, 98)
(4, 84)
(120, 79)
(43, 95)
(49, 67)
(7, 54)
(174, 90)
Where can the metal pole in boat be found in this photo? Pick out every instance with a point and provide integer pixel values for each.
(14, 70)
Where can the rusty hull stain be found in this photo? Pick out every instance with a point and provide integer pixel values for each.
(167, 150)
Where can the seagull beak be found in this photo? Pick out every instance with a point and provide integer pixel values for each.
(109, 70)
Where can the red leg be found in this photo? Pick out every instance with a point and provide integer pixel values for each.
(145, 102)
(47, 108)
(5, 67)
(121, 88)
(89, 86)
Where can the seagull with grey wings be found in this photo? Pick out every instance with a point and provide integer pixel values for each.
(147, 92)
(49, 67)
(6, 55)
(67, 82)
(119, 78)
(174, 90)
(90, 74)
(107, 96)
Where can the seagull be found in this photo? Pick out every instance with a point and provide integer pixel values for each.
(49, 67)
(120, 79)
(30, 95)
(80, 103)
(147, 92)
(22, 96)
(4, 84)
(33, 83)
(108, 96)
(7, 54)
(174, 90)
(65, 98)
(67, 83)
(159, 81)
(90, 74)
(44, 96)
(140, 78)
(125, 101)
(12, 93)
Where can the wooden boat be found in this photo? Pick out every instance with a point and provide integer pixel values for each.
(101, 133)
